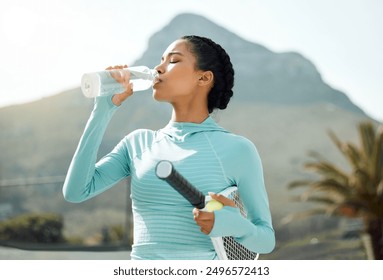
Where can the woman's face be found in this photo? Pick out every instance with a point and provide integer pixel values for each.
(178, 79)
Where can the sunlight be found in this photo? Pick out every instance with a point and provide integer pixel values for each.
(17, 25)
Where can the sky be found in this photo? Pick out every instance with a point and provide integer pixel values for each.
(46, 45)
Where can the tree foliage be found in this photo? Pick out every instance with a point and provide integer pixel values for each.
(33, 228)
(356, 192)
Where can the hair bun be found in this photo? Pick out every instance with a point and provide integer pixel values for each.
(211, 56)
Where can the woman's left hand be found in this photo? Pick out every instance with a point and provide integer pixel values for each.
(205, 220)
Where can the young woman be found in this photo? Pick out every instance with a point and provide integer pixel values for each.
(195, 77)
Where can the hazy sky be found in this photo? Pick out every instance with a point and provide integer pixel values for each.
(46, 45)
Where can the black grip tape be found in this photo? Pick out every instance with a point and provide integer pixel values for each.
(184, 187)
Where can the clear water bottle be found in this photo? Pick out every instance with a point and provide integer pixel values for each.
(99, 83)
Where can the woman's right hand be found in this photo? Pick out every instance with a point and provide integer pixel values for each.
(123, 77)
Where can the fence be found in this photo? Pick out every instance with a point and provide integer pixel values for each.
(102, 223)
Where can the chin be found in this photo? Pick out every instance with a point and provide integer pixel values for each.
(157, 96)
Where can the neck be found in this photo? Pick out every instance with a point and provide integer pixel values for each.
(189, 115)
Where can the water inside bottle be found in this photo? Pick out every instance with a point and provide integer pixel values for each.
(101, 83)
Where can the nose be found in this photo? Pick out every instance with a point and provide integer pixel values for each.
(159, 68)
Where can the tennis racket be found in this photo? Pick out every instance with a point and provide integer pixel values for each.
(226, 247)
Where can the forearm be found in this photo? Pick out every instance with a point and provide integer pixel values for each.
(80, 184)
(255, 232)
(257, 236)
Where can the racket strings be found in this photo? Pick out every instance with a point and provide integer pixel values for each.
(235, 250)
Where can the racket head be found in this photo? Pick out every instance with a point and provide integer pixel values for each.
(227, 247)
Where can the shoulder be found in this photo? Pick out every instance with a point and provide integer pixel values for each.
(239, 157)
(141, 136)
(138, 141)
(234, 142)
(242, 143)
(140, 133)
(237, 153)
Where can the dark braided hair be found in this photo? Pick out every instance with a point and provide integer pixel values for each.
(212, 57)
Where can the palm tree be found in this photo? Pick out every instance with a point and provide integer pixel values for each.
(353, 193)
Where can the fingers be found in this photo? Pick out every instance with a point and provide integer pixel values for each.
(128, 90)
(224, 200)
(119, 74)
(205, 220)
(123, 77)
(202, 215)
(117, 67)
(119, 98)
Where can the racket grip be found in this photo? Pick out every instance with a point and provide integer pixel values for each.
(166, 171)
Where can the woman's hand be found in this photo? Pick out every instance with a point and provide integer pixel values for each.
(205, 220)
(123, 77)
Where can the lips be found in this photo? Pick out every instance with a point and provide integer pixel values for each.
(157, 81)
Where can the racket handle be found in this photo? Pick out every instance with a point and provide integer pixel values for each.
(166, 171)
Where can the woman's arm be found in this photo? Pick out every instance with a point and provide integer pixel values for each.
(85, 178)
(254, 232)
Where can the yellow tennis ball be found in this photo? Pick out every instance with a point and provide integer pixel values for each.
(213, 205)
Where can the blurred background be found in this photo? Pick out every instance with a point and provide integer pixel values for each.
(307, 93)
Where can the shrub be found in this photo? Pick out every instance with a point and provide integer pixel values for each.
(33, 228)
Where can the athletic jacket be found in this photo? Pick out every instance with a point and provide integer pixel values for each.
(210, 157)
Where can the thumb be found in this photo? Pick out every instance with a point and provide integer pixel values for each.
(223, 199)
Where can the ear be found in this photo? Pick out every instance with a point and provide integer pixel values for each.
(206, 78)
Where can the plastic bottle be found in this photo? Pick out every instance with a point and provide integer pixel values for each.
(99, 83)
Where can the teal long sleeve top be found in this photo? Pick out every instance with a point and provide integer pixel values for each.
(210, 157)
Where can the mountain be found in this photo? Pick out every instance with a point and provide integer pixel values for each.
(261, 75)
(280, 102)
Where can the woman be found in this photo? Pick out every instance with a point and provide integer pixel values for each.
(195, 77)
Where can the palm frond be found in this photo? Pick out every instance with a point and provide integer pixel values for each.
(357, 192)
(350, 152)
(327, 200)
(377, 156)
(299, 183)
(367, 138)
(354, 155)
(361, 181)
(328, 170)
(379, 191)
(331, 186)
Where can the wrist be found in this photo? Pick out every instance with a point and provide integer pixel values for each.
(116, 100)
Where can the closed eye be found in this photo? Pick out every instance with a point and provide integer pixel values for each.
(171, 57)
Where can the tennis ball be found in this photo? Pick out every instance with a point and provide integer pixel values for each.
(213, 205)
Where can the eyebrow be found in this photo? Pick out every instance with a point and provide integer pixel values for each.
(171, 53)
